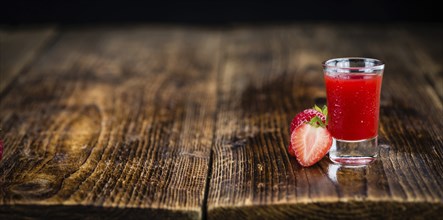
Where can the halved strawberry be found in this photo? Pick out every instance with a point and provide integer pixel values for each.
(290, 150)
(310, 142)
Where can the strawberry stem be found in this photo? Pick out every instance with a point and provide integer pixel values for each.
(324, 111)
(317, 122)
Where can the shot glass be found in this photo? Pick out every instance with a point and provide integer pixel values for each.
(353, 87)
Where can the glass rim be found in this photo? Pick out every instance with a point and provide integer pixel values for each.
(378, 64)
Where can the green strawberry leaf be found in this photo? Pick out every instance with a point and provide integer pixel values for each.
(325, 113)
(316, 122)
(318, 109)
(325, 110)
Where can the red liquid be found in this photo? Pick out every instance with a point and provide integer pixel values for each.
(353, 105)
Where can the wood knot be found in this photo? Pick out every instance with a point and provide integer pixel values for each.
(35, 187)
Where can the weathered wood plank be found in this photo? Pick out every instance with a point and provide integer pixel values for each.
(268, 75)
(109, 121)
(18, 47)
(118, 123)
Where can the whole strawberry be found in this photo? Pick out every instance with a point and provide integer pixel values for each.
(310, 140)
(307, 114)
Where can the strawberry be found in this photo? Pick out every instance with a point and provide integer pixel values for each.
(311, 142)
(307, 114)
(304, 117)
(290, 150)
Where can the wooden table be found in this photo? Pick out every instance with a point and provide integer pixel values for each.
(188, 122)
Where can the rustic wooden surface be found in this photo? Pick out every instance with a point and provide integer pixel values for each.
(113, 119)
(157, 122)
(269, 75)
(18, 48)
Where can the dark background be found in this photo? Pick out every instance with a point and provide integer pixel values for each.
(216, 12)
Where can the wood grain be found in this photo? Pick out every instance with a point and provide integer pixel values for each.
(109, 121)
(167, 122)
(269, 74)
(18, 47)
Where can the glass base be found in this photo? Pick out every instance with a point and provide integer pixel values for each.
(353, 153)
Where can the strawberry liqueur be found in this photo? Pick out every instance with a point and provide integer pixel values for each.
(354, 103)
(353, 87)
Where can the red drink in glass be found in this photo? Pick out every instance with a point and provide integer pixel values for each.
(353, 103)
(353, 87)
